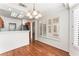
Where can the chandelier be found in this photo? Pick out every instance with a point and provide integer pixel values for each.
(34, 14)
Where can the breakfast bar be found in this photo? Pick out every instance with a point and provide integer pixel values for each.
(10, 40)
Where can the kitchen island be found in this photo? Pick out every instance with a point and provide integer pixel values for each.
(10, 40)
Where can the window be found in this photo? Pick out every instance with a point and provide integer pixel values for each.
(76, 26)
(40, 28)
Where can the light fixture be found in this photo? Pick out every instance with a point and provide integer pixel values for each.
(20, 16)
(34, 14)
(13, 14)
(9, 9)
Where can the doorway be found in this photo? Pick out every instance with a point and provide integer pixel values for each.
(33, 31)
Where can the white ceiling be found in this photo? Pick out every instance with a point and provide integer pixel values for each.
(44, 8)
(40, 6)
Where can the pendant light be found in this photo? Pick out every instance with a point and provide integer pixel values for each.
(34, 14)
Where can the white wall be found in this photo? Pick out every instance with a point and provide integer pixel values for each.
(10, 20)
(62, 13)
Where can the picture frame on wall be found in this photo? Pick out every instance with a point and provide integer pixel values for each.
(12, 26)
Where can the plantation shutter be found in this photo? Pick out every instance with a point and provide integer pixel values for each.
(76, 26)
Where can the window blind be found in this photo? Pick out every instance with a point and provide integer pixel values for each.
(76, 26)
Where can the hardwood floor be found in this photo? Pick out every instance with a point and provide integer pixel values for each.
(36, 49)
